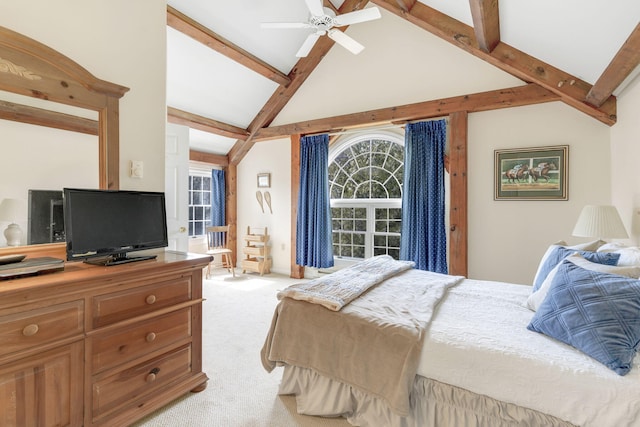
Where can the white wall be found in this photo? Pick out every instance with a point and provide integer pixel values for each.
(272, 157)
(507, 238)
(625, 158)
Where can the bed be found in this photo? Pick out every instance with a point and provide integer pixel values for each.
(404, 347)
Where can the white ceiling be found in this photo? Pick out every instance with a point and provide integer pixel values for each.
(577, 36)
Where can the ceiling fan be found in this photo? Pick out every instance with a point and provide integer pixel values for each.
(323, 21)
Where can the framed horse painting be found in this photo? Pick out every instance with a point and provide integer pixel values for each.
(538, 173)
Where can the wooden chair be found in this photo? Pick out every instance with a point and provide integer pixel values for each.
(218, 245)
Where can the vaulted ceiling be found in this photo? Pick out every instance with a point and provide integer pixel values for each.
(228, 78)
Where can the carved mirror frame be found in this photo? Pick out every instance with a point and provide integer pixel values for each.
(30, 68)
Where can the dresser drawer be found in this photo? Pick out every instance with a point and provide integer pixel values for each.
(133, 341)
(126, 386)
(39, 326)
(112, 308)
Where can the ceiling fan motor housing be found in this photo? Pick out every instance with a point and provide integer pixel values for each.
(324, 22)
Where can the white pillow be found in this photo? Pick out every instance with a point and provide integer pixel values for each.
(536, 298)
(629, 255)
(589, 246)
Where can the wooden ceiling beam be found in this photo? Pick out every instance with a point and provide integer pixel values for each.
(486, 23)
(483, 101)
(625, 61)
(406, 5)
(208, 158)
(571, 90)
(205, 124)
(327, 3)
(52, 119)
(199, 32)
(283, 94)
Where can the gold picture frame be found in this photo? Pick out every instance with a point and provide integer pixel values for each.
(538, 173)
(264, 180)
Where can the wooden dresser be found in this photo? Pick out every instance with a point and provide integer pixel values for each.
(100, 345)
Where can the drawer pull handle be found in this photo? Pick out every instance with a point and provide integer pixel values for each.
(30, 330)
(152, 375)
(151, 299)
(151, 336)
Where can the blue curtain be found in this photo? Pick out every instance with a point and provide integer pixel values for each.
(313, 231)
(424, 238)
(218, 197)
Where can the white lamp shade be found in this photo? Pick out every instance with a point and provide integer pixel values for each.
(600, 222)
(10, 210)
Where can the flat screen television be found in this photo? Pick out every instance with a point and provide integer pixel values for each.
(45, 221)
(104, 226)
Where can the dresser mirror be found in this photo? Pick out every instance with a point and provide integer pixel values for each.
(42, 92)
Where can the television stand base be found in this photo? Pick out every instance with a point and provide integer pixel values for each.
(109, 261)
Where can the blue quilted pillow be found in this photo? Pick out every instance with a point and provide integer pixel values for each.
(597, 313)
(558, 253)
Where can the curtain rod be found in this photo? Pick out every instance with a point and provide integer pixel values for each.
(379, 127)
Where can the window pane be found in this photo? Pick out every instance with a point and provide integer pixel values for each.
(379, 240)
(358, 239)
(197, 183)
(198, 229)
(358, 252)
(206, 184)
(395, 226)
(199, 213)
(197, 198)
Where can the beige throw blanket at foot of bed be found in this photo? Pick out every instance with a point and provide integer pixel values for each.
(373, 343)
(336, 290)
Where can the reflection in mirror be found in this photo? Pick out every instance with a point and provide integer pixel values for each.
(43, 158)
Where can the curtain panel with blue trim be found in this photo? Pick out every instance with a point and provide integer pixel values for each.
(424, 239)
(314, 246)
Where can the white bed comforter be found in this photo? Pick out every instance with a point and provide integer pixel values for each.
(478, 341)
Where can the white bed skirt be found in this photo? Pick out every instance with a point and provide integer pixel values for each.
(433, 404)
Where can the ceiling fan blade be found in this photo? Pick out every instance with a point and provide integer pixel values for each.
(346, 41)
(308, 44)
(315, 7)
(368, 14)
(285, 25)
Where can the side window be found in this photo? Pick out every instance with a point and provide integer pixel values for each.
(199, 203)
(365, 183)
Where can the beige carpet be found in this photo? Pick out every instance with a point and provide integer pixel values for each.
(237, 314)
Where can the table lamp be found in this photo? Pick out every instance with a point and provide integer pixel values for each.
(601, 222)
(10, 209)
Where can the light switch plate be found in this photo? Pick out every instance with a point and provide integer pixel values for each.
(136, 169)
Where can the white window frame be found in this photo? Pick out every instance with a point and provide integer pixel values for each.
(205, 173)
(369, 204)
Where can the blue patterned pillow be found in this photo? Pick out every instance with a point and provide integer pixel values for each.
(597, 313)
(558, 253)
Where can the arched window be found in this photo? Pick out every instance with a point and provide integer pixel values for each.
(365, 183)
